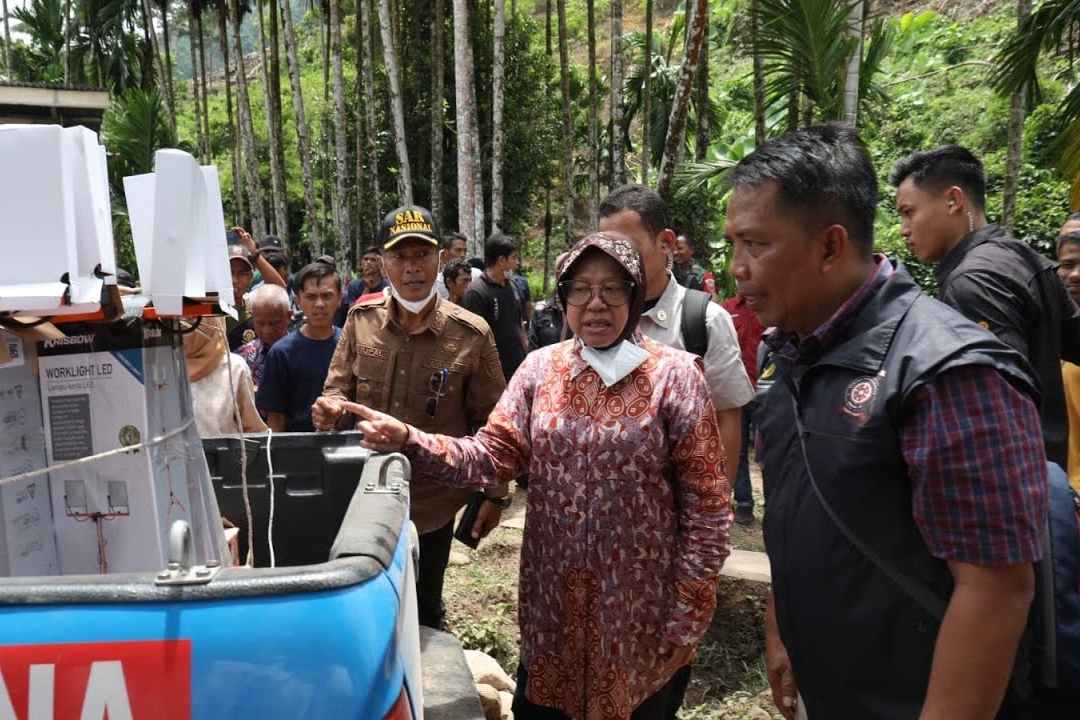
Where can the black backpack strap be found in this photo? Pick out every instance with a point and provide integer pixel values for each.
(694, 332)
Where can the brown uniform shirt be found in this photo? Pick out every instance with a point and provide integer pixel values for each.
(379, 365)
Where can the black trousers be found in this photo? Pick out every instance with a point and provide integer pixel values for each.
(662, 705)
(434, 557)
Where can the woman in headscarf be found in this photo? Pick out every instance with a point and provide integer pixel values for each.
(629, 503)
(221, 386)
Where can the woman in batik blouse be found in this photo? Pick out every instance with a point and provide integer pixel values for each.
(628, 500)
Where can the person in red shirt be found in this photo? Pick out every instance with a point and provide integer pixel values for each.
(749, 330)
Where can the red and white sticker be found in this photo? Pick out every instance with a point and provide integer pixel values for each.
(96, 681)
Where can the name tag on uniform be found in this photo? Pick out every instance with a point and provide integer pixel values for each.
(368, 351)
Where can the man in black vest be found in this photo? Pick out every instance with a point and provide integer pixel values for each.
(990, 277)
(898, 435)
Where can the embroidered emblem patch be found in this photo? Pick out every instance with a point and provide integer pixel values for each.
(247, 336)
(859, 396)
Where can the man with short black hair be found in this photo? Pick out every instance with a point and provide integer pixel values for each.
(454, 246)
(688, 273)
(371, 280)
(296, 365)
(427, 362)
(457, 275)
(641, 214)
(899, 440)
(991, 278)
(493, 297)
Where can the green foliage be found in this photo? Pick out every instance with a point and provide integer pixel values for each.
(134, 128)
(486, 634)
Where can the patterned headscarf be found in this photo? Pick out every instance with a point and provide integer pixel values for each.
(622, 250)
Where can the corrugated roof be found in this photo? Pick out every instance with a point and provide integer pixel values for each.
(49, 86)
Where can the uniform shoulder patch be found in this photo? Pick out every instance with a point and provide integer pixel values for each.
(470, 320)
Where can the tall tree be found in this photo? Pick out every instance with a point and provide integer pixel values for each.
(701, 100)
(567, 128)
(235, 160)
(854, 65)
(438, 90)
(759, 75)
(342, 210)
(676, 133)
(277, 130)
(247, 130)
(498, 92)
(152, 37)
(393, 75)
(646, 98)
(1017, 114)
(200, 139)
(7, 38)
(618, 163)
(301, 129)
(204, 92)
(594, 122)
(278, 204)
(371, 148)
(468, 145)
(170, 92)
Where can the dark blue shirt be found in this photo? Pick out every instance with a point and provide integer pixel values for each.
(354, 291)
(293, 378)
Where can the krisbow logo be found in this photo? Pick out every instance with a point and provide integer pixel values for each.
(85, 339)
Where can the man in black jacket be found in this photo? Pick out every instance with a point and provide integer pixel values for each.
(991, 278)
(895, 429)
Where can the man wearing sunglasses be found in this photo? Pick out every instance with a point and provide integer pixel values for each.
(427, 362)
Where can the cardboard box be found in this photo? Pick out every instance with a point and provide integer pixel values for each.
(116, 386)
(27, 543)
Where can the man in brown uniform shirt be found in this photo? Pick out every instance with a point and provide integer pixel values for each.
(427, 362)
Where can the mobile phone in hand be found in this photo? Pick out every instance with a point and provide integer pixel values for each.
(463, 532)
(231, 237)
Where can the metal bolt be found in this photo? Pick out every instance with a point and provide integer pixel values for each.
(370, 487)
(212, 564)
(174, 566)
(164, 575)
(202, 572)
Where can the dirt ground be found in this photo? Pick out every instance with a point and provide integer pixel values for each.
(728, 682)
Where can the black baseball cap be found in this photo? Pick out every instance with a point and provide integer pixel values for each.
(408, 222)
(271, 242)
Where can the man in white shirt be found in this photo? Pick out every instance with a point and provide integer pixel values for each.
(641, 214)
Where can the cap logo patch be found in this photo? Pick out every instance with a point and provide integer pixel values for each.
(409, 221)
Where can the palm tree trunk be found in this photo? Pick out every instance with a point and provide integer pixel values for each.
(701, 90)
(280, 213)
(1017, 114)
(594, 122)
(618, 163)
(342, 209)
(7, 43)
(646, 94)
(205, 92)
(759, 76)
(851, 78)
(676, 134)
(171, 95)
(301, 129)
(67, 40)
(151, 34)
(326, 131)
(393, 74)
(371, 149)
(247, 130)
(547, 190)
(498, 91)
(567, 130)
(438, 43)
(200, 141)
(468, 149)
(277, 128)
(234, 148)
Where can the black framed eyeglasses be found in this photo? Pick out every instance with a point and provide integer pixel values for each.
(579, 293)
(437, 383)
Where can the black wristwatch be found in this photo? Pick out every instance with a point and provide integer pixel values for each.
(503, 502)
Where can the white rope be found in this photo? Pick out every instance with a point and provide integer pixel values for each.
(153, 442)
(270, 477)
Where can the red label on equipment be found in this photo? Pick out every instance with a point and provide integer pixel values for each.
(94, 681)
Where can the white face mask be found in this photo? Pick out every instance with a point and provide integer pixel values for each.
(614, 363)
(413, 306)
